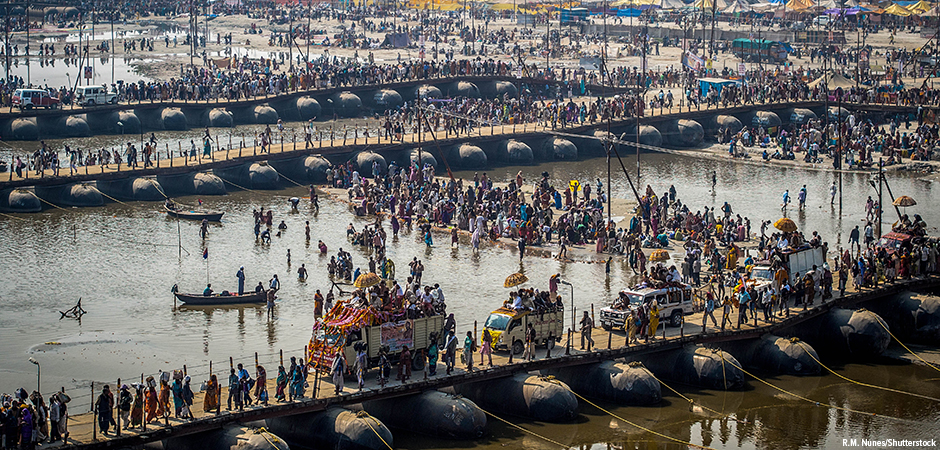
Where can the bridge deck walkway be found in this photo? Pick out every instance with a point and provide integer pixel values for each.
(608, 345)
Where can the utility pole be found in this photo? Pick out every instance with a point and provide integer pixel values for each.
(28, 79)
(880, 206)
(112, 46)
(6, 43)
(290, 38)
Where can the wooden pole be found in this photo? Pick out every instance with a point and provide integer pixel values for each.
(94, 413)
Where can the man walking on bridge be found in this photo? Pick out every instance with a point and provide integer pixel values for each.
(587, 325)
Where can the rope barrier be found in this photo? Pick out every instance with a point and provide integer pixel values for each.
(365, 414)
(12, 217)
(840, 408)
(114, 199)
(864, 384)
(880, 322)
(566, 447)
(679, 441)
(265, 433)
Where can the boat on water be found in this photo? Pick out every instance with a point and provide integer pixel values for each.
(222, 299)
(177, 210)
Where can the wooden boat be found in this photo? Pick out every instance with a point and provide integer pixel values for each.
(175, 210)
(218, 299)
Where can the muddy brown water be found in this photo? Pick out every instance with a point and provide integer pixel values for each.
(122, 260)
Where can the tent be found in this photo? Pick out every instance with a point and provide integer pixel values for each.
(932, 12)
(672, 4)
(833, 80)
(800, 5)
(767, 7)
(897, 10)
(708, 4)
(629, 12)
(737, 6)
(920, 7)
(397, 40)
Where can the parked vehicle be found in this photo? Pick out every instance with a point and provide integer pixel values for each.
(759, 50)
(675, 300)
(344, 328)
(94, 95)
(797, 262)
(507, 327)
(34, 98)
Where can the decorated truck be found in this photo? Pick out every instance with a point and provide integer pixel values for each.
(344, 328)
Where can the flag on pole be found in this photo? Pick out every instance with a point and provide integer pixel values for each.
(205, 254)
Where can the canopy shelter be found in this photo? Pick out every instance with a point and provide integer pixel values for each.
(833, 81)
(737, 6)
(672, 4)
(920, 7)
(800, 5)
(709, 4)
(897, 10)
(932, 12)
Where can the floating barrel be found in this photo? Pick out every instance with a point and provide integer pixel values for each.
(70, 12)
(835, 112)
(912, 317)
(649, 135)
(262, 176)
(801, 115)
(559, 149)
(220, 118)
(505, 89)
(626, 384)
(428, 91)
(410, 156)
(385, 99)
(539, 398)
(173, 119)
(698, 366)
(73, 126)
(778, 355)
(766, 119)
(308, 108)
(124, 122)
(364, 162)
(336, 428)
(346, 104)
(142, 189)
(465, 89)
(683, 133)
(24, 129)
(728, 122)
(593, 145)
(19, 200)
(230, 437)
(467, 156)
(81, 194)
(315, 168)
(860, 333)
(205, 183)
(264, 114)
(514, 152)
(442, 415)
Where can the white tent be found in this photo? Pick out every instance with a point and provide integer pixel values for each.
(737, 6)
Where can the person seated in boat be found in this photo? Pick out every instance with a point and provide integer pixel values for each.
(169, 204)
(282, 226)
(259, 288)
(208, 290)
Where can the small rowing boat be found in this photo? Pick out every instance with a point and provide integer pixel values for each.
(219, 299)
(176, 210)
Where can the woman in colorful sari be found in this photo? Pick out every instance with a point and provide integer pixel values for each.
(211, 401)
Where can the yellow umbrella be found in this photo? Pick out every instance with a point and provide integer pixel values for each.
(785, 225)
(367, 280)
(659, 255)
(904, 201)
(515, 280)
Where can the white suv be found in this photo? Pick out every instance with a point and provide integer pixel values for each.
(94, 95)
(675, 300)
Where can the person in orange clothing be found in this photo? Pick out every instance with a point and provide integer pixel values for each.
(151, 403)
(163, 407)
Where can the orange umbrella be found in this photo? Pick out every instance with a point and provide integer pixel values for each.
(659, 255)
(904, 201)
(515, 280)
(367, 280)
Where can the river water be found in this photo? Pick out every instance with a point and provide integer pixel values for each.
(122, 260)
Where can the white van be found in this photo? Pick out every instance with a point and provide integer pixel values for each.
(675, 301)
(94, 95)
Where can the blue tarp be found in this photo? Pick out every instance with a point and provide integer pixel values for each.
(717, 83)
(629, 12)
